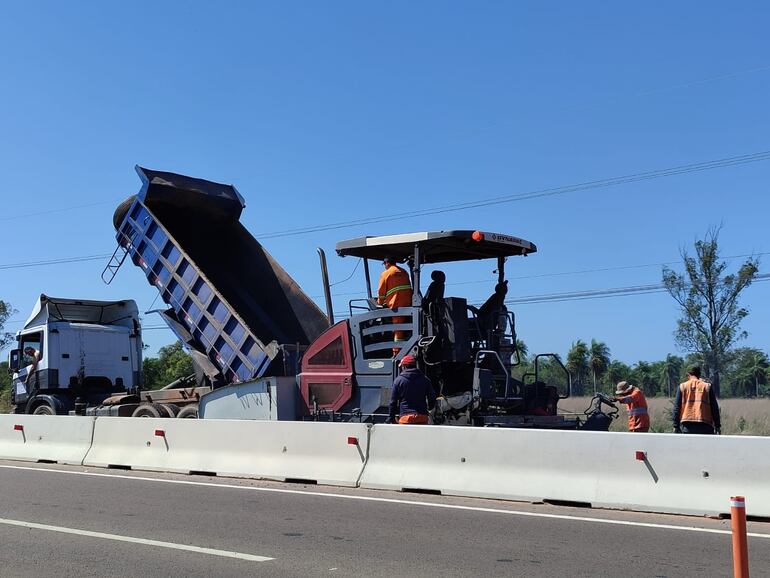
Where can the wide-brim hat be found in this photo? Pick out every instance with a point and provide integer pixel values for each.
(623, 387)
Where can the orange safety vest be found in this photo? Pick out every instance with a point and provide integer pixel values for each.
(638, 417)
(696, 401)
(395, 289)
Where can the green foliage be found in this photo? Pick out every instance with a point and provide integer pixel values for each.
(577, 364)
(643, 375)
(5, 388)
(618, 371)
(171, 364)
(6, 310)
(708, 301)
(599, 360)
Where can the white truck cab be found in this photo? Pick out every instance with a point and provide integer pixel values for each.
(72, 348)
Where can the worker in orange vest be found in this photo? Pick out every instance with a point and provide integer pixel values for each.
(633, 397)
(696, 410)
(394, 291)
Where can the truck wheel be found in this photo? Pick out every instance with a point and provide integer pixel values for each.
(188, 412)
(171, 409)
(44, 409)
(150, 410)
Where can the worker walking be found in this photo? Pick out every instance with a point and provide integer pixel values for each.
(394, 291)
(633, 397)
(696, 410)
(412, 396)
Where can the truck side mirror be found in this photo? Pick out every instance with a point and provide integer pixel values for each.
(14, 360)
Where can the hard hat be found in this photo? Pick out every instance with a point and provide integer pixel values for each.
(408, 360)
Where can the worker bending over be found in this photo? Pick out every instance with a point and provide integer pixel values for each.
(696, 410)
(412, 396)
(394, 291)
(633, 397)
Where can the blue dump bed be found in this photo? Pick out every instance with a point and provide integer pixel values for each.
(229, 301)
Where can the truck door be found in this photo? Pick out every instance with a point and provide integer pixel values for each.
(33, 374)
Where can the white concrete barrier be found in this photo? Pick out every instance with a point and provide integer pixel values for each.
(35, 438)
(646, 472)
(327, 453)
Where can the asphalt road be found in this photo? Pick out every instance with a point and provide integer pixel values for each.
(73, 521)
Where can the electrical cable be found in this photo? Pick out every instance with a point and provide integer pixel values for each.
(539, 193)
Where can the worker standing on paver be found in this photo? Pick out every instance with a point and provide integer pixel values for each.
(633, 397)
(412, 396)
(696, 410)
(394, 291)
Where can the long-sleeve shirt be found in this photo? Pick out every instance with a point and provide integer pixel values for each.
(412, 393)
(713, 404)
(638, 418)
(395, 288)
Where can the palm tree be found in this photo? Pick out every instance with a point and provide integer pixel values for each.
(577, 363)
(599, 359)
(671, 372)
(618, 371)
(523, 350)
(757, 369)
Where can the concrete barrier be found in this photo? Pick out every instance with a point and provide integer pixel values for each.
(646, 472)
(326, 453)
(36, 438)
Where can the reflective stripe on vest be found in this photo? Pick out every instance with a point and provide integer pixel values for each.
(696, 402)
(398, 288)
(637, 411)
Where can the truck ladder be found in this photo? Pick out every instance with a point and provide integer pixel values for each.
(109, 272)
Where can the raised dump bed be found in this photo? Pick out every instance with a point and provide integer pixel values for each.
(236, 308)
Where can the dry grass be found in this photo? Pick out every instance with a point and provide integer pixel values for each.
(739, 416)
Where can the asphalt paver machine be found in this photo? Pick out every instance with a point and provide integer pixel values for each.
(468, 352)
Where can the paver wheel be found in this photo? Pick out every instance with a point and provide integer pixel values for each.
(44, 409)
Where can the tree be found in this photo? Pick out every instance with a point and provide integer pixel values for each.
(599, 359)
(171, 364)
(708, 300)
(577, 364)
(5, 388)
(670, 373)
(6, 310)
(749, 370)
(523, 350)
(618, 371)
(643, 376)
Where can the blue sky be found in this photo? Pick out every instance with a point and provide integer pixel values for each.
(325, 112)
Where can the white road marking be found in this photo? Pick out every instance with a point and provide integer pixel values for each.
(396, 501)
(133, 540)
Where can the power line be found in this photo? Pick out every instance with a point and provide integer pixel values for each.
(61, 261)
(601, 293)
(539, 193)
(565, 273)
(59, 210)
(636, 177)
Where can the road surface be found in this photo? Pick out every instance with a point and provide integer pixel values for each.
(63, 521)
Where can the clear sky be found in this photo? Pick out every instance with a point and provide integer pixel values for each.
(329, 111)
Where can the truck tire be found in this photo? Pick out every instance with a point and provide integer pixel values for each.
(188, 412)
(171, 409)
(150, 410)
(44, 409)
